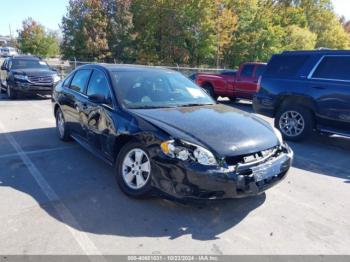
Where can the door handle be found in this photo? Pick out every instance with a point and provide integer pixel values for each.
(318, 87)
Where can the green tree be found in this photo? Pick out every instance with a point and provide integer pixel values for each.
(119, 29)
(325, 24)
(297, 38)
(34, 39)
(84, 30)
(258, 36)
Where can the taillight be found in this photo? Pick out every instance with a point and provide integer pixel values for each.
(259, 84)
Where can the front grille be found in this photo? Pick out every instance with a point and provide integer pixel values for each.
(41, 79)
(244, 159)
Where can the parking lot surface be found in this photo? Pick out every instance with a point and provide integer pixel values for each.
(57, 198)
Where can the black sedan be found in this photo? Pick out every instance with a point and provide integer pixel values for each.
(163, 133)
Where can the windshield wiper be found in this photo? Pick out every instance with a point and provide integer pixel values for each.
(150, 107)
(194, 104)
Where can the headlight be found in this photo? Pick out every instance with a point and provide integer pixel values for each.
(279, 135)
(56, 78)
(187, 151)
(169, 148)
(20, 77)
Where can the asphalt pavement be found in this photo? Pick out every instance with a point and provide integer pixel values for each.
(57, 198)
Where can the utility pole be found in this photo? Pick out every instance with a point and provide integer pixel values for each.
(220, 7)
(10, 31)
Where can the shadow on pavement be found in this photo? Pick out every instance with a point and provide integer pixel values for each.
(87, 187)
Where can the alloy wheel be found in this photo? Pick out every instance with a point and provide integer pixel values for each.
(291, 123)
(136, 168)
(60, 123)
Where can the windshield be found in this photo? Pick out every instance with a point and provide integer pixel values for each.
(155, 89)
(24, 64)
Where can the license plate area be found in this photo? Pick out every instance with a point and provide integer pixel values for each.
(268, 169)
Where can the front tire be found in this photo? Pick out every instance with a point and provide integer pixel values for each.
(133, 170)
(296, 123)
(11, 94)
(210, 91)
(61, 126)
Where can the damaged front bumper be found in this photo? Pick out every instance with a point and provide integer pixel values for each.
(181, 179)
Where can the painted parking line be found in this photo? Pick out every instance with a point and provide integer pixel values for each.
(33, 152)
(81, 237)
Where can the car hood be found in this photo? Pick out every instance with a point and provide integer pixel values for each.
(222, 129)
(34, 72)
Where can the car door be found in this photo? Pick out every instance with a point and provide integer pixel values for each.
(245, 83)
(98, 108)
(230, 78)
(74, 101)
(329, 84)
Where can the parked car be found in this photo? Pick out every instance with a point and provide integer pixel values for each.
(152, 125)
(27, 74)
(8, 51)
(231, 83)
(306, 91)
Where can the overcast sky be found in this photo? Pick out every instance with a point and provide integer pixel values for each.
(50, 12)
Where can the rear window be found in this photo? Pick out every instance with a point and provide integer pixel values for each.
(285, 65)
(334, 67)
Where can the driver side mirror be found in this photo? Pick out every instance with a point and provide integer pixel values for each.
(99, 99)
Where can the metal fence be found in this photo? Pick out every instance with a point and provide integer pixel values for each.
(64, 67)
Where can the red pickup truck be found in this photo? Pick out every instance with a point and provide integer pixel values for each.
(242, 83)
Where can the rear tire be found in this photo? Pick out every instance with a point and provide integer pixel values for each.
(61, 126)
(133, 170)
(296, 123)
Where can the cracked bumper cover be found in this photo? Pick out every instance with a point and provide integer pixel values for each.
(181, 179)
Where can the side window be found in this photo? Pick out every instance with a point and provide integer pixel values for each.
(334, 67)
(67, 81)
(80, 80)
(285, 65)
(98, 85)
(247, 71)
(259, 71)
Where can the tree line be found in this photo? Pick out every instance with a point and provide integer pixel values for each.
(197, 32)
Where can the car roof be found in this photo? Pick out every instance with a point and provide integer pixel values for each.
(124, 67)
(317, 52)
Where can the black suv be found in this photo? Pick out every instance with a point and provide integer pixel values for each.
(27, 74)
(306, 91)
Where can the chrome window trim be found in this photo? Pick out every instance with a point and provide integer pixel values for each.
(310, 76)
